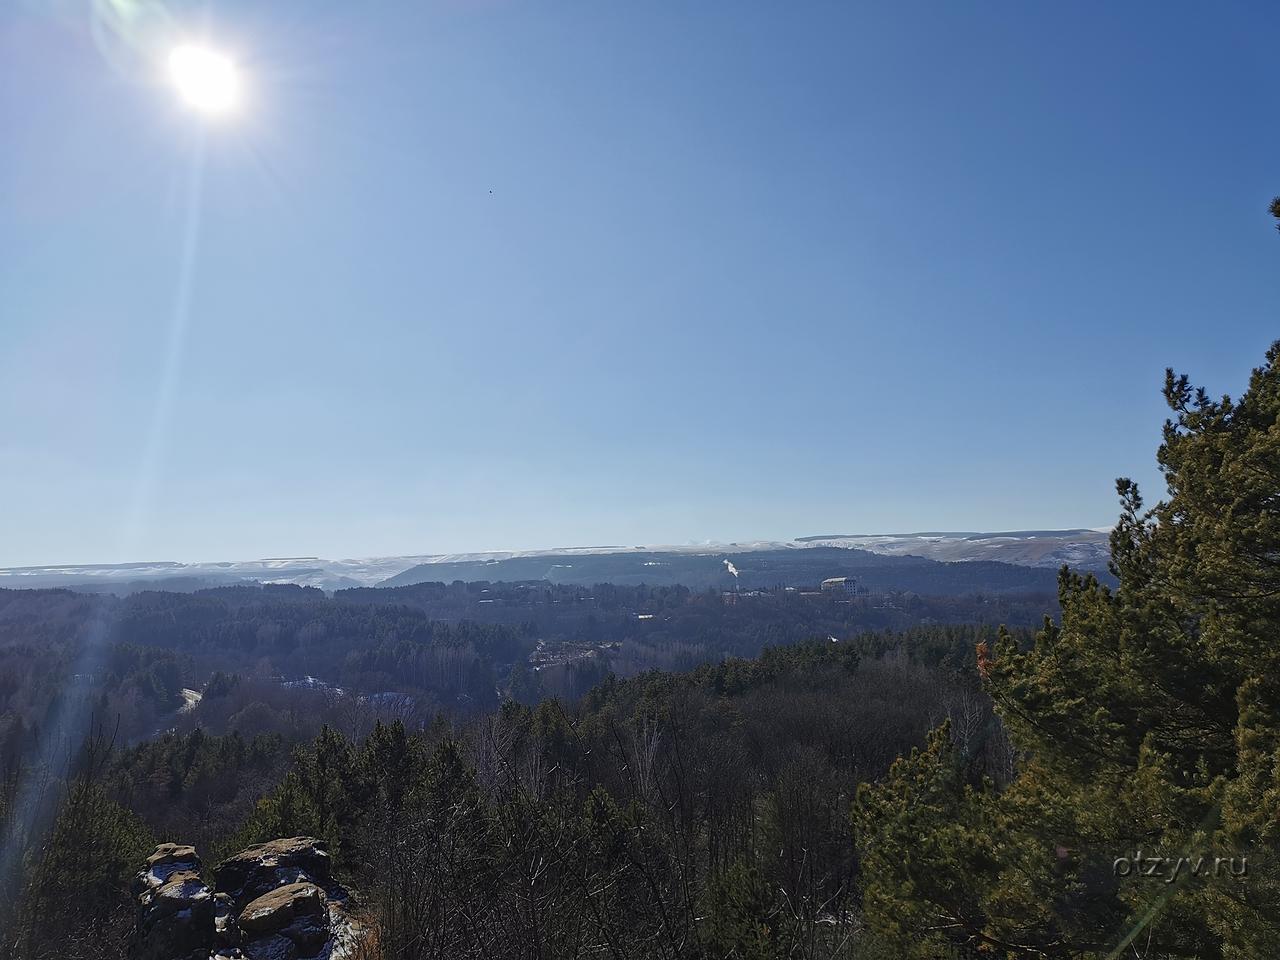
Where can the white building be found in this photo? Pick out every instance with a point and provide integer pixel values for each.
(840, 585)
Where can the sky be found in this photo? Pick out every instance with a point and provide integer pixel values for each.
(505, 275)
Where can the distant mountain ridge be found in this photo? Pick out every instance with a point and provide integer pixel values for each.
(1080, 548)
(1083, 548)
(801, 568)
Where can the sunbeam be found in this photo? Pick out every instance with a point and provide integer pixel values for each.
(157, 433)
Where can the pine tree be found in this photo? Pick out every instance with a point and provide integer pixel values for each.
(77, 901)
(1148, 723)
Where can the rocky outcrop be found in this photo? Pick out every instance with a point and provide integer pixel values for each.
(175, 906)
(265, 866)
(299, 912)
(272, 901)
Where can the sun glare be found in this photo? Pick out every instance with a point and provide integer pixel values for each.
(206, 79)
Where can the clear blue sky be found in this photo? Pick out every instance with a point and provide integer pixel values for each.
(477, 275)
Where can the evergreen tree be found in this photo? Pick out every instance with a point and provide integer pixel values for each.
(77, 903)
(742, 917)
(1148, 723)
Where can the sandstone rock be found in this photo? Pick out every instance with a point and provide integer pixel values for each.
(297, 911)
(175, 911)
(226, 928)
(273, 911)
(309, 934)
(167, 853)
(168, 858)
(265, 866)
(274, 901)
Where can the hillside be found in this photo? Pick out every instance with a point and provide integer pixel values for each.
(748, 570)
(696, 564)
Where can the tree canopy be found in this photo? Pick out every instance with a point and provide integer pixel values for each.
(1143, 819)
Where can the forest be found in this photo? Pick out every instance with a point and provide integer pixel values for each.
(760, 774)
(656, 793)
(265, 656)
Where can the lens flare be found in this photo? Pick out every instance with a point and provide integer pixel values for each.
(207, 80)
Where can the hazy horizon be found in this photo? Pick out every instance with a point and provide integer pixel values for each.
(690, 546)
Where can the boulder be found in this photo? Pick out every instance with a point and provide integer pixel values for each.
(274, 911)
(175, 909)
(226, 928)
(264, 866)
(167, 853)
(309, 934)
(168, 858)
(273, 901)
(295, 913)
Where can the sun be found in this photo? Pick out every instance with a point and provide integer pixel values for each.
(207, 80)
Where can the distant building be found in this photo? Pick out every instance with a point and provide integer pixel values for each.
(840, 585)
